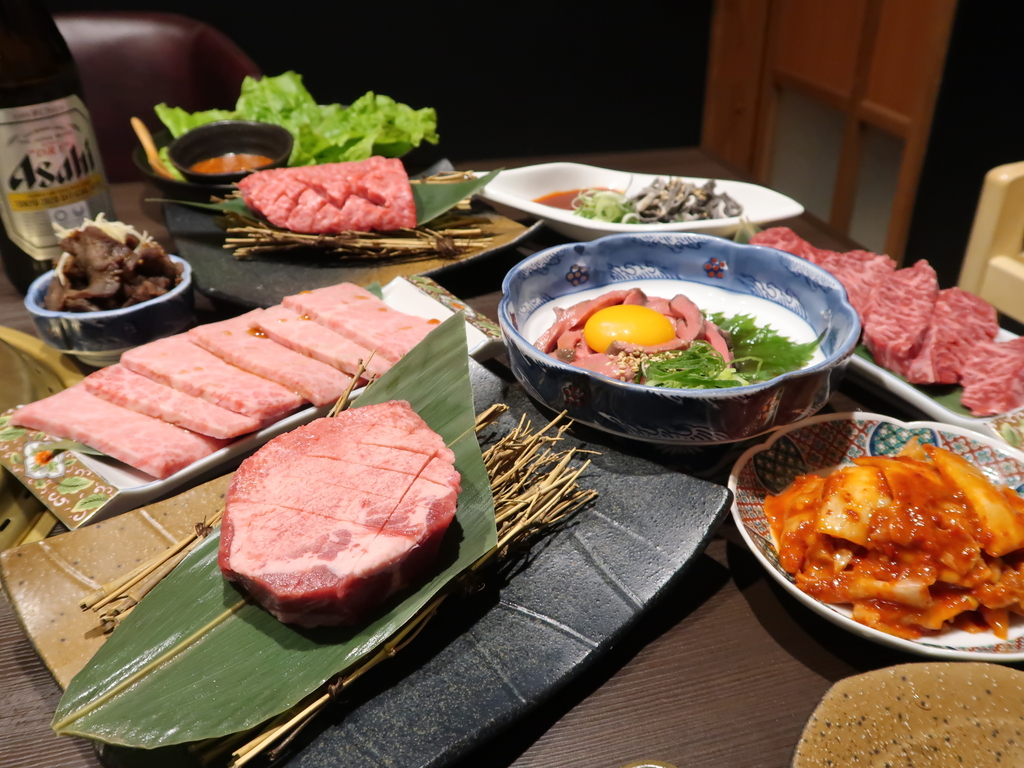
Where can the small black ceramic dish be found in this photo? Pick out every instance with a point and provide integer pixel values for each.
(229, 137)
(172, 189)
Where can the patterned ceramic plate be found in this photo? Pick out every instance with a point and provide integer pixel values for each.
(824, 442)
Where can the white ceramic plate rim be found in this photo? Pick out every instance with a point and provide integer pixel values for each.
(777, 206)
(835, 614)
(136, 488)
(880, 378)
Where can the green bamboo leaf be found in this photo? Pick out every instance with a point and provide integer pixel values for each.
(92, 501)
(12, 433)
(71, 485)
(72, 445)
(15, 458)
(231, 205)
(4, 421)
(197, 660)
(434, 199)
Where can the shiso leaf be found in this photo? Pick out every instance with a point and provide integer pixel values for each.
(197, 660)
(761, 352)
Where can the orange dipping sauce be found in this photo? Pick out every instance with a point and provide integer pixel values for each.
(230, 163)
(564, 200)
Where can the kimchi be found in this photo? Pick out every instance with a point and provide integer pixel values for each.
(916, 542)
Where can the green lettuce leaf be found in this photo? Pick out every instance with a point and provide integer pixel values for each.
(324, 133)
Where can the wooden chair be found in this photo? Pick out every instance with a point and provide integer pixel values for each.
(131, 61)
(994, 265)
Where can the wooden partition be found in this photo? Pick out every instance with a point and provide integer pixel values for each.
(830, 102)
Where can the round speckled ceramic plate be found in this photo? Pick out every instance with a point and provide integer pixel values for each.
(828, 441)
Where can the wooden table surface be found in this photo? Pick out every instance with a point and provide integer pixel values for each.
(724, 673)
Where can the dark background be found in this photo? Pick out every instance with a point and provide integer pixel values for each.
(978, 124)
(507, 79)
(546, 79)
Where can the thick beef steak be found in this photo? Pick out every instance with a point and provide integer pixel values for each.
(325, 522)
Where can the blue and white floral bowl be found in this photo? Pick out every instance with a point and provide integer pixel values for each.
(100, 338)
(678, 416)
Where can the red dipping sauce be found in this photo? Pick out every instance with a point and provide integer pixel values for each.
(564, 200)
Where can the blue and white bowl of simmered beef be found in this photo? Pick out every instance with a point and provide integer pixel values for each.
(113, 288)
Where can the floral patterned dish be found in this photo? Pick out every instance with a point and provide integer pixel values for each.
(739, 276)
(824, 442)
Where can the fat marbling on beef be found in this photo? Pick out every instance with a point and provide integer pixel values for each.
(325, 522)
(960, 322)
(371, 194)
(902, 311)
(993, 377)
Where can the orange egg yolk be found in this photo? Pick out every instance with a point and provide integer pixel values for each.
(630, 323)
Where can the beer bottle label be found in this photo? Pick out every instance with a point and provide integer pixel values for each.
(50, 172)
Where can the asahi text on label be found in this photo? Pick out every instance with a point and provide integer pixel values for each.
(50, 172)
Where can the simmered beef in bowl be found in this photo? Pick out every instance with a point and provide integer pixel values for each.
(108, 265)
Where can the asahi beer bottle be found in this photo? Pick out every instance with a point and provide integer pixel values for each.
(50, 166)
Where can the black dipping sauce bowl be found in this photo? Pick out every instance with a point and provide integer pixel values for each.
(226, 137)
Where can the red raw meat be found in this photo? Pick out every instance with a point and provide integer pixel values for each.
(860, 272)
(900, 315)
(127, 389)
(177, 362)
(357, 314)
(325, 522)
(785, 239)
(961, 321)
(577, 315)
(304, 335)
(367, 195)
(150, 445)
(993, 377)
(235, 342)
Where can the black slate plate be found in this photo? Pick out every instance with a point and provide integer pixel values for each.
(489, 658)
(263, 281)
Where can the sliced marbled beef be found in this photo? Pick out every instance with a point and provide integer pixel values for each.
(236, 342)
(176, 362)
(325, 522)
(304, 335)
(860, 272)
(894, 329)
(357, 314)
(150, 445)
(960, 322)
(371, 194)
(993, 377)
(117, 385)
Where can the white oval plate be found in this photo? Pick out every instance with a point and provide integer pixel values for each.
(823, 442)
(519, 187)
